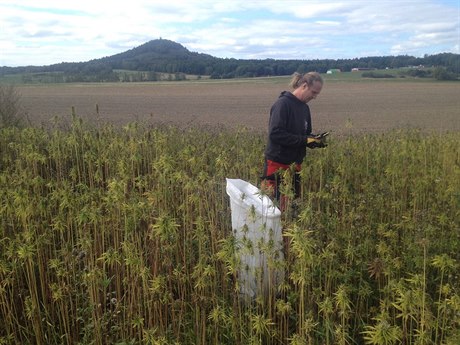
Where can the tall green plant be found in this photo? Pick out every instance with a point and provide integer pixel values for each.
(123, 235)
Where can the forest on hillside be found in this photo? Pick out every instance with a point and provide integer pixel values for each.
(161, 56)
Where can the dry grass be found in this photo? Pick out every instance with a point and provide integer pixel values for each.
(343, 106)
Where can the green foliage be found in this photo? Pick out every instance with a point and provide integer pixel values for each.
(123, 236)
(442, 73)
(10, 107)
(418, 73)
(377, 75)
(414, 72)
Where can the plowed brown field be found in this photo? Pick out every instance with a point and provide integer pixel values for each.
(341, 107)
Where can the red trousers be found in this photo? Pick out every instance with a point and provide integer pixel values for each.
(272, 179)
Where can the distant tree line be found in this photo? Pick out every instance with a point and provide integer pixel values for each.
(438, 73)
(164, 56)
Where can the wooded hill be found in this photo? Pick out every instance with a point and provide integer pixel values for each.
(160, 56)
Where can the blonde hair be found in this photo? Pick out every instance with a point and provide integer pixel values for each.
(309, 78)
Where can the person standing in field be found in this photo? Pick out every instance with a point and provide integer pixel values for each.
(289, 135)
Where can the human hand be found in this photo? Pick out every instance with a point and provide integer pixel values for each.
(317, 140)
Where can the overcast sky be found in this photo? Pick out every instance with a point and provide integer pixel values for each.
(45, 32)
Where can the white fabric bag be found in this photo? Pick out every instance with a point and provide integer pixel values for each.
(256, 224)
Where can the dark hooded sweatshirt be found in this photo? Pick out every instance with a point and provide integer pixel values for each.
(290, 123)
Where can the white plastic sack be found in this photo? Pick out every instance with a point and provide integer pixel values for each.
(256, 224)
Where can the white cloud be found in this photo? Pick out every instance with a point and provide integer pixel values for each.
(52, 31)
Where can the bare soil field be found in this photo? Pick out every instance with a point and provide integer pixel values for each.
(342, 106)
